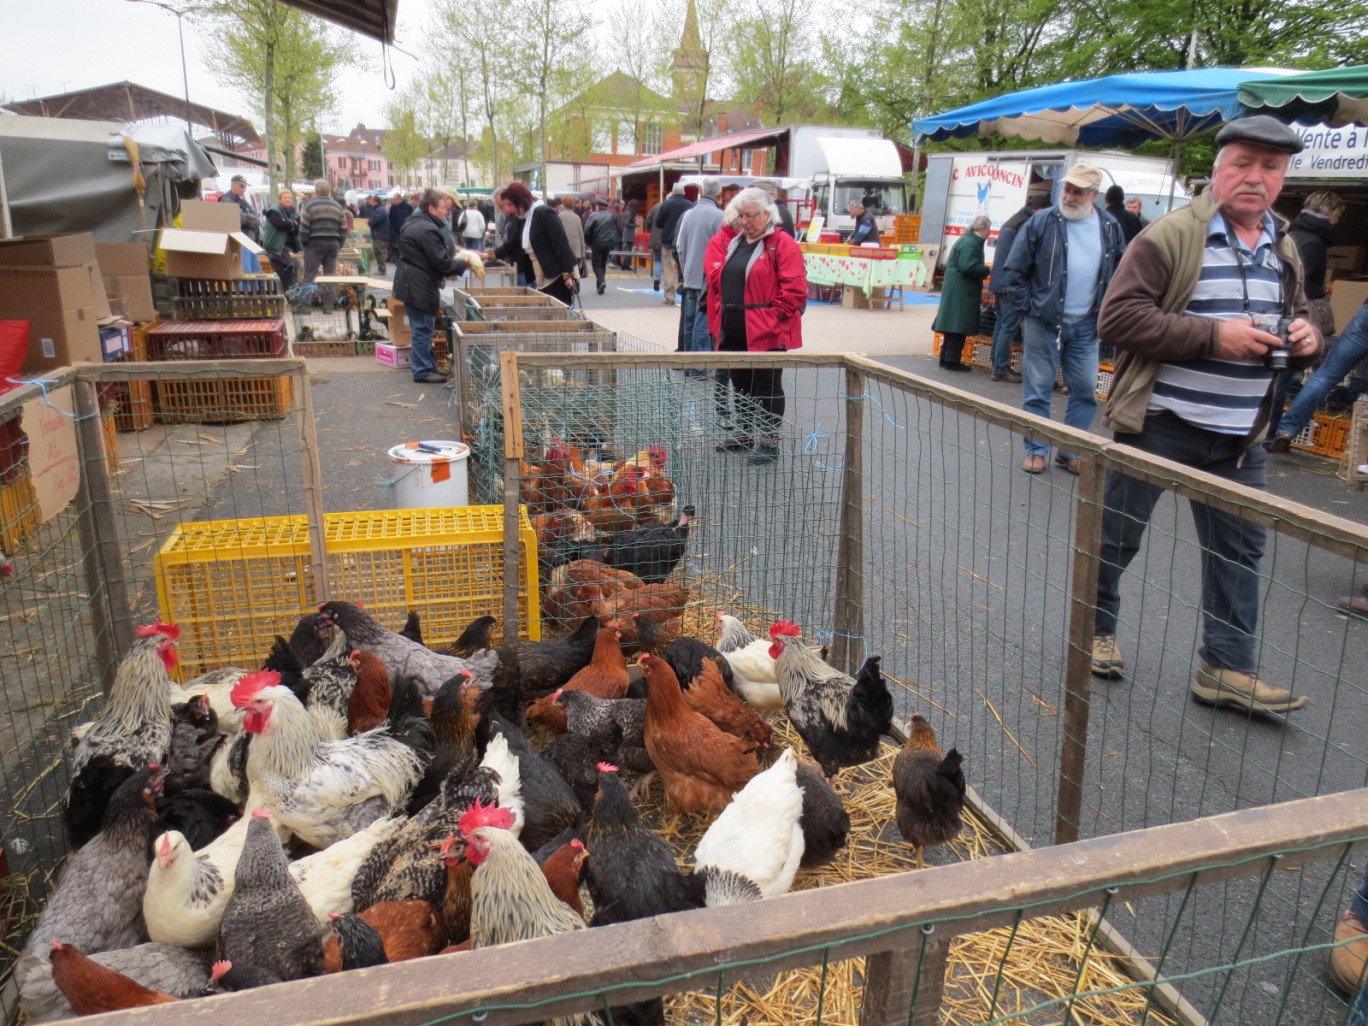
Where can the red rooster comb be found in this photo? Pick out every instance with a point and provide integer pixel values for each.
(354, 653)
(171, 630)
(784, 627)
(448, 845)
(246, 689)
(479, 816)
(220, 968)
(56, 945)
(607, 767)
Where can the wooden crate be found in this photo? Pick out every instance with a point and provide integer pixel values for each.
(206, 299)
(345, 347)
(224, 400)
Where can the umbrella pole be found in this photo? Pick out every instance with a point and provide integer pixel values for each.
(1173, 171)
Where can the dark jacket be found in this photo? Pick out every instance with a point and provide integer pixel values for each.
(964, 274)
(1038, 265)
(510, 250)
(280, 232)
(668, 218)
(249, 220)
(424, 264)
(322, 219)
(1144, 315)
(1130, 224)
(865, 230)
(652, 225)
(1006, 236)
(398, 213)
(378, 217)
(1313, 236)
(600, 231)
(549, 244)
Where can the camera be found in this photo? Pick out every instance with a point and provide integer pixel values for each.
(1276, 358)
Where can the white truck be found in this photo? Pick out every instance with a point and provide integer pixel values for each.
(960, 186)
(845, 164)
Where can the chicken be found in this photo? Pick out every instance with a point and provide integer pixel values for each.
(130, 733)
(659, 490)
(195, 738)
(198, 813)
(826, 824)
(562, 870)
(604, 677)
(401, 867)
(576, 756)
(929, 784)
(700, 764)
(456, 897)
(97, 900)
(159, 967)
(710, 696)
(322, 791)
(478, 636)
(92, 988)
(304, 648)
(663, 604)
(651, 552)
(403, 930)
(187, 891)
(453, 720)
(633, 874)
(405, 658)
(684, 654)
(753, 849)
(510, 898)
(841, 719)
(531, 669)
(568, 594)
(617, 508)
(752, 666)
(217, 687)
(267, 923)
(325, 877)
(369, 701)
(549, 804)
(587, 715)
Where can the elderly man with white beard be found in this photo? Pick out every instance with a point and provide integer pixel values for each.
(1062, 261)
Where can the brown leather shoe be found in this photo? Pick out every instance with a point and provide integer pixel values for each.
(1011, 377)
(1106, 658)
(1236, 690)
(1344, 964)
(1034, 464)
(1069, 463)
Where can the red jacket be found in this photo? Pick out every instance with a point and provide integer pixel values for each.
(776, 277)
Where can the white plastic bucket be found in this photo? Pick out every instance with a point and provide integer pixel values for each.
(431, 473)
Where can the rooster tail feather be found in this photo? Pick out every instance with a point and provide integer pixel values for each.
(871, 695)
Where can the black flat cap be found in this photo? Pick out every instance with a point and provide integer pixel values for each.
(1261, 130)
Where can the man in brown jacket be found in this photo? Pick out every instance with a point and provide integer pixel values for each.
(1206, 303)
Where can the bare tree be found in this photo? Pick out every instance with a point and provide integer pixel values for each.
(553, 55)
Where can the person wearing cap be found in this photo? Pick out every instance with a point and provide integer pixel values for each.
(1194, 311)
(250, 220)
(1009, 304)
(1062, 262)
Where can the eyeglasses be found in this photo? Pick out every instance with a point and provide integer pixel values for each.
(750, 216)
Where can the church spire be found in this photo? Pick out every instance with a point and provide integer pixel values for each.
(690, 59)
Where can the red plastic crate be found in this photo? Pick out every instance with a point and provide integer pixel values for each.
(216, 340)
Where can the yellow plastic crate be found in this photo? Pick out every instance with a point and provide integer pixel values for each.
(232, 585)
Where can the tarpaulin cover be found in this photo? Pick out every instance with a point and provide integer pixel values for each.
(1118, 110)
(1338, 96)
(63, 175)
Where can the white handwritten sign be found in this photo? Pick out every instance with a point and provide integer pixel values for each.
(54, 464)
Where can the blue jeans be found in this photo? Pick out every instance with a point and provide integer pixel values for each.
(1350, 348)
(702, 340)
(657, 264)
(1008, 321)
(423, 325)
(1232, 548)
(1074, 347)
(688, 321)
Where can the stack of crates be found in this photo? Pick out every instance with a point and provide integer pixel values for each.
(220, 319)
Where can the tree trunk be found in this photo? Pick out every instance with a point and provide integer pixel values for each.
(273, 182)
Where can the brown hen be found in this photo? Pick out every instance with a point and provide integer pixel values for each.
(604, 677)
(710, 695)
(92, 988)
(370, 697)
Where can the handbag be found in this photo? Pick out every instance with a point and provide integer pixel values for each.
(1322, 317)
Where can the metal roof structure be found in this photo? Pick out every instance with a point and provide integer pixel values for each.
(128, 101)
(374, 18)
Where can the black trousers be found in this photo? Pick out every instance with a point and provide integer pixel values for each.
(600, 261)
(952, 348)
(557, 289)
(750, 400)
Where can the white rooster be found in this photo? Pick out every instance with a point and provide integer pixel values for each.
(323, 790)
(753, 848)
(752, 666)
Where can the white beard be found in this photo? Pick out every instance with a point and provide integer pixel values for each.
(1079, 213)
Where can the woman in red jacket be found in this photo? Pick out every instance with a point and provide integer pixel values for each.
(757, 289)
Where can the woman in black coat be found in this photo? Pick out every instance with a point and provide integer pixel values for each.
(629, 229)
(418, 279)
(542, 241)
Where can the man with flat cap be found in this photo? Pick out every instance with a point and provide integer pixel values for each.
(1206, 300)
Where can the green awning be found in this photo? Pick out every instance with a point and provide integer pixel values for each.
(1338, 96)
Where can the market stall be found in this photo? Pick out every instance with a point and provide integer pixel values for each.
(872, 273)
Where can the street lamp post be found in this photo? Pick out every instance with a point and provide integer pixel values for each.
(180, 32)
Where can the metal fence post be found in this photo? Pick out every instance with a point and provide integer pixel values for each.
(512, 479)
(111, 616)
(313, 484)
(848, 617)
(1087, 545)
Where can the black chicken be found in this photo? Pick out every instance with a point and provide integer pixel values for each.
(930, 789)
(576, 757)
(412, 629)
(632, 873)
(683, 654)
(825, 822)
(361, 943)
(195, 737)
(529, 670)
(651, 552)
(586, 713)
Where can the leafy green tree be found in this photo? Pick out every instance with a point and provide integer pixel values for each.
(773, 59)
(554, 61)
(406, 144)
(313, 156)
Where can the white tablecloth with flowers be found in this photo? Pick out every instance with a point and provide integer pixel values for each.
(862, 272)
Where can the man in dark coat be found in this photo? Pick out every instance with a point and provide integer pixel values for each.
(674, 207)
(422, 267)
(377, 216)
(399, 211)
(1116, 206)
(1009, 304)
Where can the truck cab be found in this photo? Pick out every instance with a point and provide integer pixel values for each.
(884, 198)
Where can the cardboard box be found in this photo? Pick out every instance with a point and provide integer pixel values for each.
(198, 215)
(1346, 258)
(119, 259)
(116, 341)
(48, 250)
(59, 305)
(205, 254)
(1345, 299)
(393, 356)
(400, 332)
(136, 293)
(853, 298)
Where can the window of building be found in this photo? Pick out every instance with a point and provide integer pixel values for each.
(375, 183)
(601, 139)
(372, 165)
(653, 139)
(626, 138)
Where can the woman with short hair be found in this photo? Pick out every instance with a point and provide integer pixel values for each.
(756, 294)
(543, 243)
(962, 293)
(280, 237)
